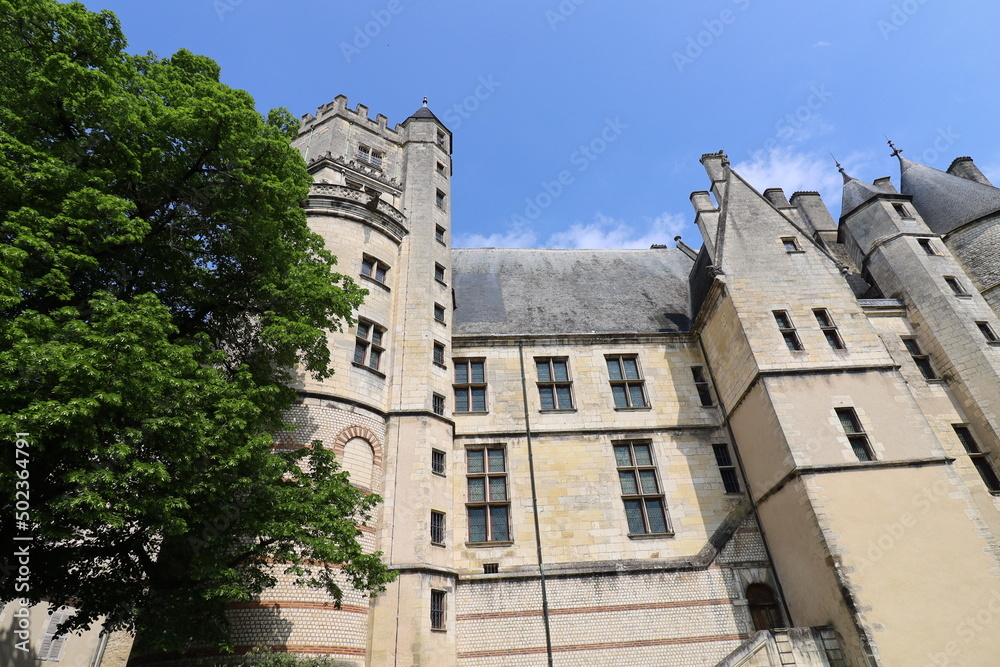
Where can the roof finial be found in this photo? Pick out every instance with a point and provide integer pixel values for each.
(840, 168)
(895, 151)
(425, 100)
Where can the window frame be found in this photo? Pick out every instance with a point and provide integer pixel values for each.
(372, 341)
(437, 404)
(922, 361)
(439, 610)
(625, 383)
(437, 528)
(791, 244)
(703, 387)
(787, 330)
(554, 385)
(980, 459)
(439, 462)
(438, 353)
(469, 386)
(928, 249)
(727, 468)
(829, 329)
(956, 286)
(640, 498)
(488, 475)
(856, 437)
(439, 310)
(439, 198)
(373, 266)
(370, 156)
(439, 233)
(987, 331)
(440, 273)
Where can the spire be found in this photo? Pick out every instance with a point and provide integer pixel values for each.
(895, 151)
(840, 168)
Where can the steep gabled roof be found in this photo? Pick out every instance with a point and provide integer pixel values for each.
(857, 192)
(502, 291)
(946, 202)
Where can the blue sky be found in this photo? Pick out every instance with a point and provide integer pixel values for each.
(579, 123)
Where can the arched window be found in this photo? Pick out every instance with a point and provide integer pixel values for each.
(763, 607)
(358, 460)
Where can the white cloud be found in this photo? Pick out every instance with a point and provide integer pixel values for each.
(819, 45)
(517, 236)
(785, 168)
(607, 232)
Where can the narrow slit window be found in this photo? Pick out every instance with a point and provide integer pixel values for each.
(439, 354)
(438, 599)
(702, 386)
(730, 480)
(437, 527)
(922, 361)
(925, 244)
(987, 332)
(788, 333)
(828, 328)
(978, 457)
(439, 233)
(855, 434)
(956, 286)
(439, 312)
(439, 273)
(439, 199)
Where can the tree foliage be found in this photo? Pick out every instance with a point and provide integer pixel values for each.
(157, 280)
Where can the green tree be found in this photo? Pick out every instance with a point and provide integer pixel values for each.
(157, 280)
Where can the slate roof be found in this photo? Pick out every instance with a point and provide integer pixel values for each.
(946, 202)
(535, 291)
(857, 193)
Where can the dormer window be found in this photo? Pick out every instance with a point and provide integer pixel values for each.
(791, 244)
(370, 155)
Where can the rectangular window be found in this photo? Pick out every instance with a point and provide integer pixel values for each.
(828, 328)
(956, 286)
(627, 385)
(470, 385)
(437, 527)
(901, 210)
(488, 502)
(440, 138)
(922, 361)
(855, 434)
(987, 332)
(439, 312)
(437, 404)
(491, 568)
(439, 354)
(791, 244)
(440, 169)
(787, 330)
(730, 480)
(927, 247)
(374, 269)
(437, 610)
(645, 509)
(554, 386)
(978, 457)
(368, 344)
(701, 384)
(438, 462)
(439, 199)
(51, 647)
(439, 273)
(439, 233)
(370, 155)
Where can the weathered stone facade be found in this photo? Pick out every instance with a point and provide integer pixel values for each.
(774, 451)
